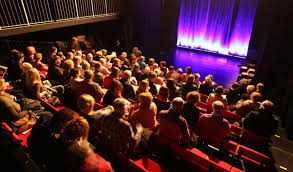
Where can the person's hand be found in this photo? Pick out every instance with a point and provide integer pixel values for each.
(54, 91)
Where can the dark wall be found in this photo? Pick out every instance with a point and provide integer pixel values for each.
(274, 62)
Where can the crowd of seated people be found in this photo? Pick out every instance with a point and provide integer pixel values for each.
(163, 100)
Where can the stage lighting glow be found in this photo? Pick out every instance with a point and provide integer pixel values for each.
(219, 26)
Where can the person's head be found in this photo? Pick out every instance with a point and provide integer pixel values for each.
(74, 130)
(98, 66)
(121, 106)
(188, 70)
(145, 99)
(190, 79)
(116, 62)
(61, 117)
(115, 72)
(217, 106)
(179, 70)
(104, 51)
(255, 97)
(207, 80)
(108, 58)
(78, 53)
(13, 54)
(157, 71)
(38, 56)
(118, 42)
(196, 77)
(155, 66)
(163, 64)
(77, 60)
(267, 106)
(152, 76)
(88, 75)
(99, 54)
(25, 66)
(89, 57)
(123, 55)
(74, 73)
(56, 60)
(164, 92)
(2, 85)
(171, 68)
(53, 50)
(60, 53)
(69, 56)
(85, 104)
(142, 58)
(67, 65)
(193, 97)
(85, 65)
(32, 77)
(135, 48)
(260, 87)
(83, 57)
(160, 81)
(147, 69)
(116, 87)
(211, 76)
(170, 83)
(143, 85)
(235, 85)
(102, 61)
(126, 74)
(151, 61)
(250, 89)
(177, 104)
(219, 90)
(30, 50)
(19, 57)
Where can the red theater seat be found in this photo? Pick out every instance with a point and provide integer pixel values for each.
(203, 97)
(202, 106)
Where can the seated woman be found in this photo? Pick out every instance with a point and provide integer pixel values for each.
(67, 66)
(206, 87)
(173, 90)
(142, 88)
(43, 68)
(162, 100)
(190, 111)
(146, 112)
(115, 91)
(188, 71)
(109, 79)
(37, 89)
(75, 79)
(217, 96)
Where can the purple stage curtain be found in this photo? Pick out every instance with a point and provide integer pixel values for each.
(220, 26)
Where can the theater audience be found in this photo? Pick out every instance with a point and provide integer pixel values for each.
(104, 69)
(152, 80)
(115, 91)
(196, 80)
(217, 96)
(16, 59)
(42, 68)
(163, 68)
(136, 72)
(142, 63)
(188, 86)
(152, 63)
(170, 72)
(190, 111)
(220, 126)
(206, 87)
(142, 88)
(136, 51)
(122, 136)
(69, 56)
(128, 90)
(162, 100)
(30, 52)
(173, 90)
(232, 94)
(146, 112)
(176, 76)
(75, 80)
(88, 86)
(55, 71)
(173, 125)
(113, 76)
(84, 66)
(188, 71)
(261, 121)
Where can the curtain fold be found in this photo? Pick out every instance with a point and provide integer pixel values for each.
(221, 26)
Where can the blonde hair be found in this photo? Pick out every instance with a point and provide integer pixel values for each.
(85, 101)
(207, 80)
(75, 129)
(25, 66)
(145, 100)
(68, 64)
(32, 77)
(143, 86)
(250, 89)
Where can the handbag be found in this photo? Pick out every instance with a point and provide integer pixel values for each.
(25, 123)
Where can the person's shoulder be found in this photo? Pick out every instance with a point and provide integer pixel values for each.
(163, 113)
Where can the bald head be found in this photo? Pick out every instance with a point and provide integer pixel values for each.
(218, 106)
(177, 104)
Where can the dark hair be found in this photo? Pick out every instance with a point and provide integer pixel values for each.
(164, 92)
(170, 83)
(53, 48)
(97, 65)
(163, 63)
(73, 72)
(235, 85)
(219, 90)
(62, 117)
(115, 72)
(115, 84)
(152, 75)
(188, 70)
(13, 53)
(88, 74)
(171, 68)
(19, 56)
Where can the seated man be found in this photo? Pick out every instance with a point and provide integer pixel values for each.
(188, 86)
(217, 96)
(190, 111)
(87, 86)
(244, 107)
(128, 90)
(114, 130)
(173, 125)
(261, 122)
(214, 124)
(55, 71)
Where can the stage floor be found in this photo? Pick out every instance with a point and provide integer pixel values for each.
(224, 69)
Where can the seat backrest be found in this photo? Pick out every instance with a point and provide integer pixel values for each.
(98, 106)
(250, 137)
(253, 156)
(48, 106)
(237, 131)
(203, 97)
